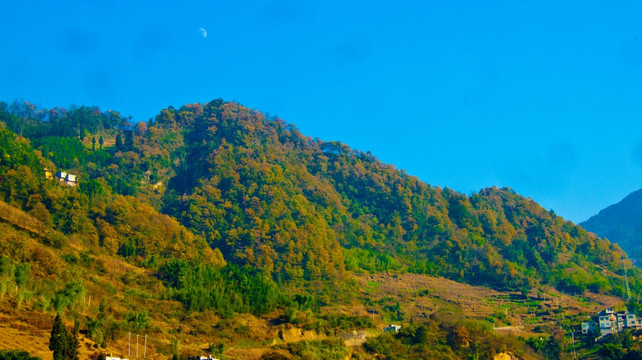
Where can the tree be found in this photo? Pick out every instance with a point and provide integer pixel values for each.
(459, 337)
(16, 355)
(64, 345)
(58, 342)
(633, 355)
(74, 342)
(611, 351)
(101, 141)
(21, 273)
(555, 345)
(93, 143)
(119, 142)
(129, 139)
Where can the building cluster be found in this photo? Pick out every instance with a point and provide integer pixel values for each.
(611, 322)
(63, 177)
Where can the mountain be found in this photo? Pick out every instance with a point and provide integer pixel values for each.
(261, 194)
(621, 223)
(213, 210)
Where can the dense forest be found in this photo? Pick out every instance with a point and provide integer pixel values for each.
(234, 211)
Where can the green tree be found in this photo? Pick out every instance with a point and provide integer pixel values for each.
(555, 345)
(16, 355)
(611, 351)
(101, 141)
(93, 143)
(21, 273)
(129, 139)
(74, 342)
(59, 340)
(119, 141)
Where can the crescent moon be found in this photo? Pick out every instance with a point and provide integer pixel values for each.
(204, 32)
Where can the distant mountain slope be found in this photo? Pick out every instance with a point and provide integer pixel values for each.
(621, 223)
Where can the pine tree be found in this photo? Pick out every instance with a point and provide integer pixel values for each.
(101, 141)
(58, 342)
(129, 139)
(119, 141)
(74, 343)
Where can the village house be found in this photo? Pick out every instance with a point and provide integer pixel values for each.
(588, 327)
(65, 178)
(611, 322)
(208, 357)
(71, 180)
(392, 328)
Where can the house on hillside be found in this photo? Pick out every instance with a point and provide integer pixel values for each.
(611, 322)
(71, 180)
(392, 328)
(48, 174)
(588, 327)
(65, 178)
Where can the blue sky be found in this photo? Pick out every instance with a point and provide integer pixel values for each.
(541, 96)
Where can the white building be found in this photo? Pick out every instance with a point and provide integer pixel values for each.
(392, 328)
(71, 180)
(611, 322)
(67, 179)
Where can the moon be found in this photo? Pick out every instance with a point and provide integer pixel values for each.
(204, 32)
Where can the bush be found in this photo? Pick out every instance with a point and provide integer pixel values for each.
(319, 349)
(611, 351)
(273, 356)
(16, 355)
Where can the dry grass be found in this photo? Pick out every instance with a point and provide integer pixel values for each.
(31, 332)
(419, 296)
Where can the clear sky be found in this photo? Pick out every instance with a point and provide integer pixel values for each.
(541, 96)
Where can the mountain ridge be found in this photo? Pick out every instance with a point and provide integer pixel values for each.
(621, 223)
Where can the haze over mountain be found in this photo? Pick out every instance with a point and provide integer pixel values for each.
(621, 223)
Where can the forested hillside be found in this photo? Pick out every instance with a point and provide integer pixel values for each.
(300, 209)
(226, 210)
